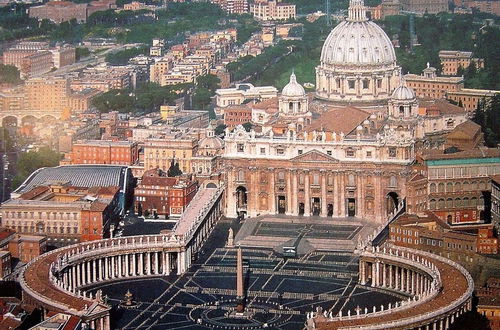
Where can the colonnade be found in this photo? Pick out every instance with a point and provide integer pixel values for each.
(115, 267)
(420, 276)
(394, 277)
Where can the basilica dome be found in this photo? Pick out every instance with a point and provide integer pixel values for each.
(403, 92)
(358, 62)
(293, 88)
(358, 43)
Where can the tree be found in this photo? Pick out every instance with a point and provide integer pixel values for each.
(9, 74)
(247, 126)
(30, 161)
(220, 129)
(208, 81)
(174, 169)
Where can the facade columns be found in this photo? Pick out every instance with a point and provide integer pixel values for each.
(272, 192)
(295, 190)
(113, 272)
(106, 268)
(324, 211)
(289, 206)
(307, 195)
(384, 275)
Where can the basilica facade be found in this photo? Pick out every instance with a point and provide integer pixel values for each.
(344, 151)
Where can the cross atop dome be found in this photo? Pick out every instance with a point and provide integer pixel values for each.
(357, 11)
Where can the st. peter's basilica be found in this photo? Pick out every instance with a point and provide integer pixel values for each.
(344, 150)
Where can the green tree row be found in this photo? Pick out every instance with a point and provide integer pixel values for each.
(146, 98)
(30, 161)
(488, 116)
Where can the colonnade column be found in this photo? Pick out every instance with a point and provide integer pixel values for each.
(391, 281)
(157, 266)
(289, 208)
(384, 275)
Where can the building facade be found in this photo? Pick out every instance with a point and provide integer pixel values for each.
(63, 213)
(272, 10)
(160, 195)
(453, 60)
(103, 152)
(430, 85)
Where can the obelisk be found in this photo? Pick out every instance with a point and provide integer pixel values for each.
(240, 295)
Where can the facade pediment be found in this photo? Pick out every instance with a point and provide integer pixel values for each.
(314, 156)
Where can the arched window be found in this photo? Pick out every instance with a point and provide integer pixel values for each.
(473, 202)
(482, 185)
(458, 202)
(441, 203)
(290, 106)
(432, 204)
(465, 186)
(449, 187)
(473, 185)
(449, 203)
(458, 187)
(393, 182)
(432, 187)
(401, 110)
(441, 187)
(465, 202)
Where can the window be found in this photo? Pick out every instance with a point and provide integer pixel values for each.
(349, 153)
(351, 83)
(368, 154)
(241, 147)
(300, 151)
(329, 152)
(392, 152)
(280, 151)
(262, 151)
(366, 84)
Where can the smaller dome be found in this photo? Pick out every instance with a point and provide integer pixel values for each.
(211, 143)
(293, 88)
(403, 92)
(366, 122)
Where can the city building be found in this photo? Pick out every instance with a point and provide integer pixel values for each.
(27, 247)
(160, 195)
(242, 92)
(83, 176)
(63, 56)
(487, 241)
(430, 85)
(49, 95)
(102, 152)
(428, 233)
(232, 6)
(454, 185)
(453, 60)
(64, 213)
(235, 115)
(159, 153)
(424, 6)
(81, 101)
(488, 303)
(5, 264)
(62, 11)
(486, 6)
(39, 63)
(272, 10)
(469, 98)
